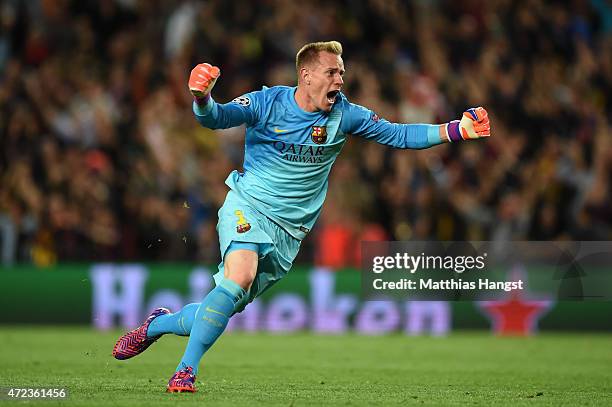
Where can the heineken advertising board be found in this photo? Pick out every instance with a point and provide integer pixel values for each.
(120, 295)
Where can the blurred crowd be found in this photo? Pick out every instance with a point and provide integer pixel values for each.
(101, 158)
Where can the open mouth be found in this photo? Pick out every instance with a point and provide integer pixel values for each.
(331, 96)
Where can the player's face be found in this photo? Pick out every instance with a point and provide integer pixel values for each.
(325, 81)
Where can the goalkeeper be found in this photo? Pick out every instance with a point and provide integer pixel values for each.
(293, 137)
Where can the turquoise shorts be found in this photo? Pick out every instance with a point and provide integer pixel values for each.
(239, 221)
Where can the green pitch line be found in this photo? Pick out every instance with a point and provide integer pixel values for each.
(307, 370)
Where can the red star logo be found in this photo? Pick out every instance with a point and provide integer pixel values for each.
(515, 316)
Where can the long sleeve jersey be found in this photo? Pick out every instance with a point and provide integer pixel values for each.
(289, 152)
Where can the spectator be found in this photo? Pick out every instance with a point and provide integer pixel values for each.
(102, 159)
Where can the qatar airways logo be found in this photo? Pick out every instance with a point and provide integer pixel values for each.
(300, 152)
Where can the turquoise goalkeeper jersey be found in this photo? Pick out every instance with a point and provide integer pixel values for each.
(289, 152)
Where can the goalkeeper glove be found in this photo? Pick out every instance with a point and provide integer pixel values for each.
(202, 80)
(473, 124)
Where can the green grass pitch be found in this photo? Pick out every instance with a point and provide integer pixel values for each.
(308, 370)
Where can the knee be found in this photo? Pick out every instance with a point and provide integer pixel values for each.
(243, 279)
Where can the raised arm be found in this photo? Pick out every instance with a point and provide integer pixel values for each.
(365, 123)
(242, 110)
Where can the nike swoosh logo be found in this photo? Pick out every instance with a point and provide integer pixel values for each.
(277, 130)
(214, 311)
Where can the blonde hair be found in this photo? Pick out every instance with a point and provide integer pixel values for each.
(310, 52)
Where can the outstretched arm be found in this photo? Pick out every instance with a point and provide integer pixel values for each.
(363, 122)
(212, 114)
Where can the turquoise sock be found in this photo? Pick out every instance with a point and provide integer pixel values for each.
(179, 323)
(210, 321)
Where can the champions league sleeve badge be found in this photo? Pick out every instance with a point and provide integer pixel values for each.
(242, 101)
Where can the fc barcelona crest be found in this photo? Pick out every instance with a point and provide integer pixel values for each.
(319, 134)
(243, 228)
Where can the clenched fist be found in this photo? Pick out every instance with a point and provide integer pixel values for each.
(202, 80)
(473, 124)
